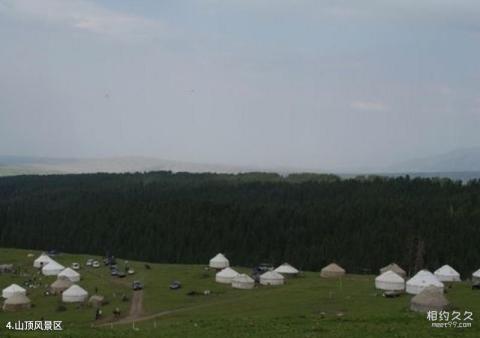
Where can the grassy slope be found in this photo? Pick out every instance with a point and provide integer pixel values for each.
(305, 307)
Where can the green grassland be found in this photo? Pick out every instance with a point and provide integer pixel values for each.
(307, 306)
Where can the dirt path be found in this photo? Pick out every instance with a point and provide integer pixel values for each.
(136, 308)
(134, 314)
(129, 319)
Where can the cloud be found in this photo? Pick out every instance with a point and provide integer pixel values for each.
(461, 14)
(369, 106)
(82, 15)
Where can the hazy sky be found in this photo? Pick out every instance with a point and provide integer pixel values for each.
(303, 83)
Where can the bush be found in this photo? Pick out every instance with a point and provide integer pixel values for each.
(61, 308)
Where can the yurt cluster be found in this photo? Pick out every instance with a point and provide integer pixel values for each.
(227, 275)
(64, 286)
(267, 276)
(428, 289)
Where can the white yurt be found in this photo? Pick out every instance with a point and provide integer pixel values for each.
(225, 276)
(13, 290)
(287, 270)
(272, 278)
(332, 270)
(447, 274)
(395, 268)
(430, 299)
(42, 261)
(243, 281)
(219, 262)
(74, 294)
(421, 280)
(52, 269)
(16, 303)
(390, 281)
(476, 276)
(70, 274)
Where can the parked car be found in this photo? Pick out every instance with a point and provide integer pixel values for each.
(264, 267)
(131, 271)
(75, 266)
(392, 294)
(89, 262)
(109, 260)
(175, 285)
(52, 253)
(114, 272)
(96, 264)
(260, 269)
(136, 285)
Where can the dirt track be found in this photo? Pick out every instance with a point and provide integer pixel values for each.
(136, 308)
(139, 318)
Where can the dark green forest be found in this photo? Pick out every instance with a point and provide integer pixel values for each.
(305, 219)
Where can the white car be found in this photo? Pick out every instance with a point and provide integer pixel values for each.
(75, 266)
(89, 262)
(131, 271)
(96, 264)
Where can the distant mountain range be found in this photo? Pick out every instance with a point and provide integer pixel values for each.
(460, 160)
(13, 165)
(461, 164)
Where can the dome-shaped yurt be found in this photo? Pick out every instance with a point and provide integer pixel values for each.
(287, 270)
(476, 276)
(96, 300)
(272, 278)
(390, 281)
(243, 281)
(430, 299)
(41, 261)
(52, 269)
(60, 285)
(422, 280)
(74, 294)
(447, 274)
(225, 276)
(70, 274)
(219, 262)
(13, 290)
(332, 270)
(16, 303)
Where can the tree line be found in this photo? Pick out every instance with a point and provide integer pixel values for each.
(307, 220)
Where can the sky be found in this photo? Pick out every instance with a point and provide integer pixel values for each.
(335, 85)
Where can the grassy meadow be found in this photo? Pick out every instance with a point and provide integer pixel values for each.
(307, 306)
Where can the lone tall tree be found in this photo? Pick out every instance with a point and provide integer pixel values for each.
(419, 261)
